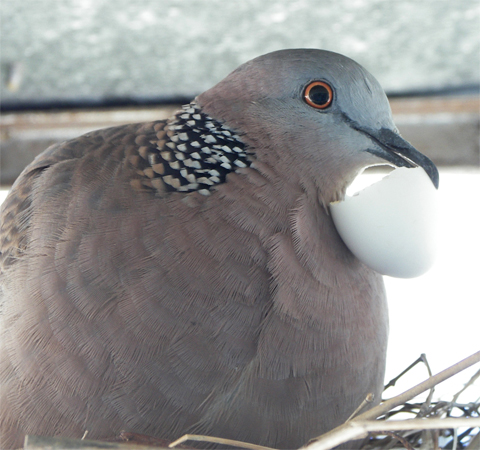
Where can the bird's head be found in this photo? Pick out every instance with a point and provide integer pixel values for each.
(315, 116)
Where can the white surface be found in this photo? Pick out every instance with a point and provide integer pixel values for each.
(391, 225)
(3, 194)
(439, 313)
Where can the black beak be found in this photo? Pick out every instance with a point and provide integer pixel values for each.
(394, 149)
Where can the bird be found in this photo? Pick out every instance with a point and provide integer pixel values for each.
(185, 276)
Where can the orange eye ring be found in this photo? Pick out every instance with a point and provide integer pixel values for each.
(318, 94)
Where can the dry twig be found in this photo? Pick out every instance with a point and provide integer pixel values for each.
(357, 428)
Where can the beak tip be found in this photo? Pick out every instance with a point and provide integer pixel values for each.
(431, 169)
(399, 151)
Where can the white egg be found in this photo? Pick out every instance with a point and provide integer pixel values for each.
(391, 226)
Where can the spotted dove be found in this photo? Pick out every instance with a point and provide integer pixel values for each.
(185, 275)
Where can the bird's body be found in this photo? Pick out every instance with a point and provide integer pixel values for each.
(165, 278)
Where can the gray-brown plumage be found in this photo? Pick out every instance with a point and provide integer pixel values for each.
(166, 278)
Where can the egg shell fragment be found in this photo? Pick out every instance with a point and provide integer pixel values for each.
(391, 226)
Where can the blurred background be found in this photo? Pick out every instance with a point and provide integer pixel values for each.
(76, 65)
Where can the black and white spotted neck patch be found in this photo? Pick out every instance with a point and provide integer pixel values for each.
(191, 152)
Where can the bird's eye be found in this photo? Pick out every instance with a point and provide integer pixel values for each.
(318, 94)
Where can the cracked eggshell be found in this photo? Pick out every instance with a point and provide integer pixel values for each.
(391, 226)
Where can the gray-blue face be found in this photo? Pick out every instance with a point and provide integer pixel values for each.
(356, 92)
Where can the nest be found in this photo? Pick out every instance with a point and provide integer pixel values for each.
(463, 437)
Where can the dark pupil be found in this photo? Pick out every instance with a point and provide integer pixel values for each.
(319, 95)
